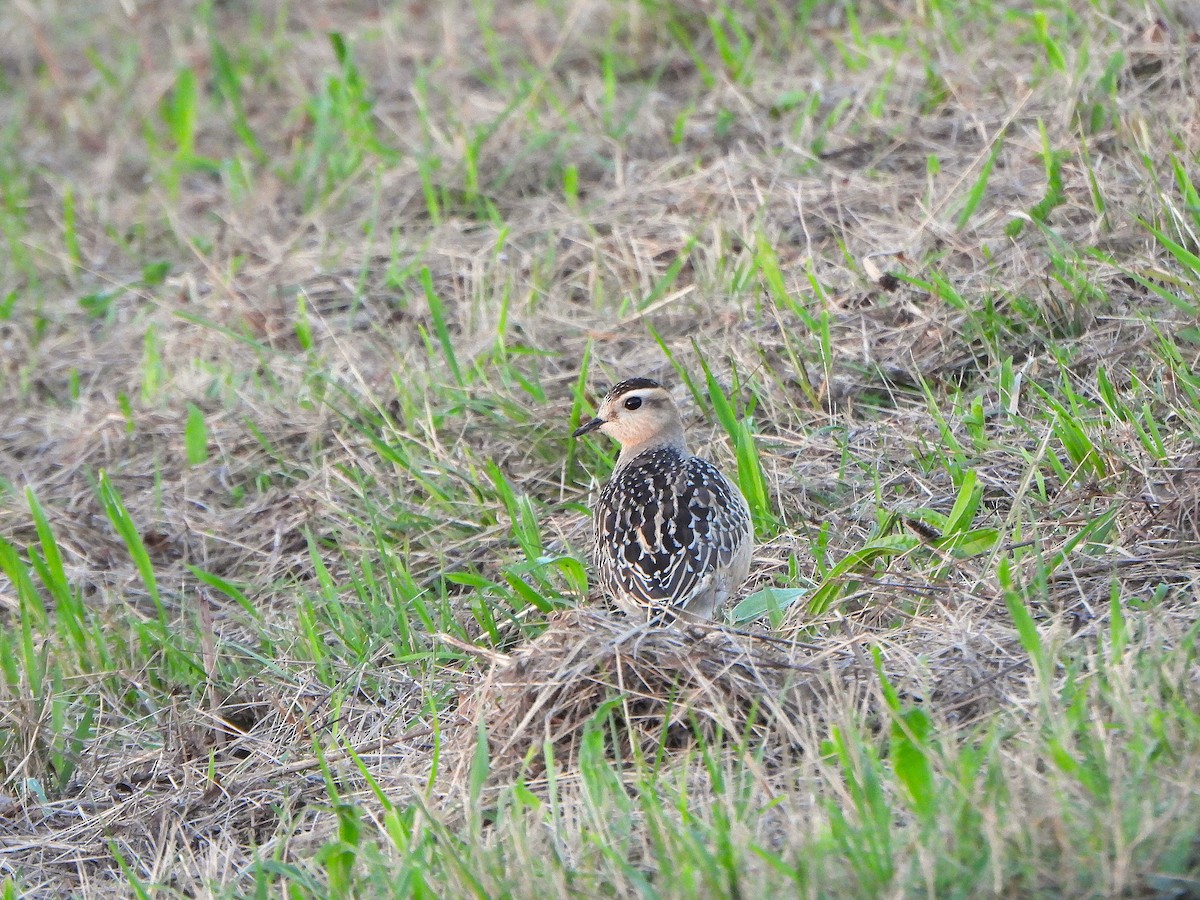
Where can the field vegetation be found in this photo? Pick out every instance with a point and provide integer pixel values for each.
(300, 302)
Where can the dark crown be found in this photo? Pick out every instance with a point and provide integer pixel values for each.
(632, 384)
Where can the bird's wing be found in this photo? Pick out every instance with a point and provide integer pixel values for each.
(674, 528)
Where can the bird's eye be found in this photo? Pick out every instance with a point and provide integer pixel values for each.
(633, 402)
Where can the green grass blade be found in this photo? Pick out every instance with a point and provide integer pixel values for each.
(128, 531)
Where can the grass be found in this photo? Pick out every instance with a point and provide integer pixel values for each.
(296, 318)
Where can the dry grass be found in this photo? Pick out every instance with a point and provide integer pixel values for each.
(322, 327)
(672, 686)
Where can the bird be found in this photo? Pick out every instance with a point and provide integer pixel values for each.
(673, 536)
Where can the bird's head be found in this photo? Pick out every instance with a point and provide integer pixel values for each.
(635, 413)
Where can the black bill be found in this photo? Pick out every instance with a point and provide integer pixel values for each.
(586, 427)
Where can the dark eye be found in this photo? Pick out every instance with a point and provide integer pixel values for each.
(633, 402)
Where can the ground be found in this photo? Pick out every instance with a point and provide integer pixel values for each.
(301, 301)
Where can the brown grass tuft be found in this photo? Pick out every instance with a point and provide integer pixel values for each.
(662, 686)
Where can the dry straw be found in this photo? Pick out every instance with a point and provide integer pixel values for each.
(663, 688)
